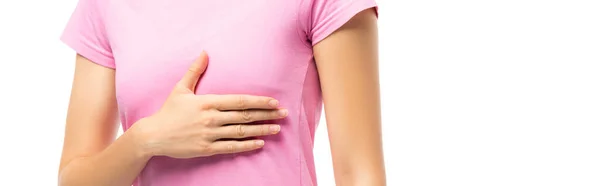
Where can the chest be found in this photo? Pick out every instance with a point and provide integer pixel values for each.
(254, 47)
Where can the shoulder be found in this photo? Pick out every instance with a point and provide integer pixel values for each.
(319, 18)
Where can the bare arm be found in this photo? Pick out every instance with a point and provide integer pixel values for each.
(90, 157)
(347, 62)
(186, 126)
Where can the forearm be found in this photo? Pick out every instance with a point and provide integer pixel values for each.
(355, 135)
(117, 165)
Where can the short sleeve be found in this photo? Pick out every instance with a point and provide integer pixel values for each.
(326, 16)
(85, 33)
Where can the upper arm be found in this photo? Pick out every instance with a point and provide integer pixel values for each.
(92, 116)
(347, 62)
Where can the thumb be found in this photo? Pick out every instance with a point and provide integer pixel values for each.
(192, 76)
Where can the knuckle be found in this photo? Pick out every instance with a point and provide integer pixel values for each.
(207, 149)
(194, 69)
(253, 145)
(243, 147)
(242, 103)
(205, 106)
(203, 102)
(246, 115)
(210, 134)
(275, 114)
(231, 148)
(264, 130)
(217, 106)
(208, 121)
(240, 131)
(209, 102)
(246, 146)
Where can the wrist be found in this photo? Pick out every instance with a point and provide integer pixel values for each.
(142, 139)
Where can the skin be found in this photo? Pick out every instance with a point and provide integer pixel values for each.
(347, 62)
(187, 125)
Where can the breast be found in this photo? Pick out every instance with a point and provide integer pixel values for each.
(254, 48)
(241, 64)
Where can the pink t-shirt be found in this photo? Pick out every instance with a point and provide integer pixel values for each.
(258, 47)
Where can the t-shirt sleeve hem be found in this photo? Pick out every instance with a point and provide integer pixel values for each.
(88, 52)
(343, 17)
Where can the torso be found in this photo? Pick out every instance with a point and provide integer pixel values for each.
(254, 47)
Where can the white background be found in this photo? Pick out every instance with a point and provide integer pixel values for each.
(474, 92)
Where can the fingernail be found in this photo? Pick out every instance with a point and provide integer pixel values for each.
(274, 103)
(283, 112)
(274, 129)
(259, 142)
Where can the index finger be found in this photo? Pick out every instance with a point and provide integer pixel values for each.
(241, 102)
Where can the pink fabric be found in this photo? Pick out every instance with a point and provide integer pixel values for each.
(255, 47)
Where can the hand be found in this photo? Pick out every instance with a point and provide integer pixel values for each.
(190, 125)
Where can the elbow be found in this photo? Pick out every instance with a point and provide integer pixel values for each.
(66, 177)
(63, 179)
(372, 178)
(357, 175)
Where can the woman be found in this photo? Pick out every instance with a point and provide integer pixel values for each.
(245, 116)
